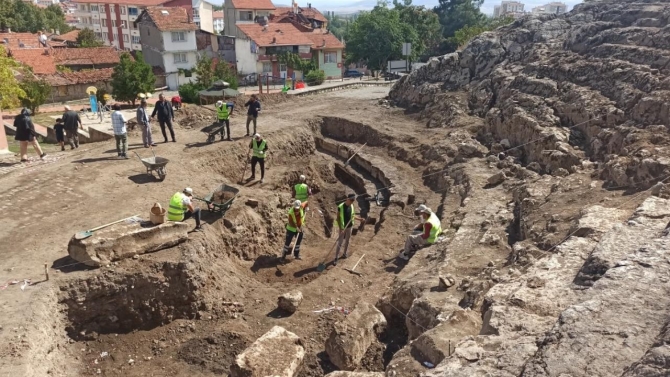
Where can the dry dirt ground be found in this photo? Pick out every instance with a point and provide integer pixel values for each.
(191, 309)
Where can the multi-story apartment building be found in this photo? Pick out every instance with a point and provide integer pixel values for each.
(218, 21)
(199, 11)
(241, 12)
(113, 21)
(508, 8)
(551, 8)
(46, 3)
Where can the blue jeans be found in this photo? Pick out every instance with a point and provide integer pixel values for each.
(287, 244)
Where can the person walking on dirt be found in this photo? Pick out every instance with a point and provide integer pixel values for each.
(427, 232)
(181, 208)
(59, 129)
(25, 133)
(165, 116)
(346, 216)
(72, 123)
(296, 220)
(252, 113)
(120, 132)
(223, 113)
(145, 124)
(259, 148)
(301, 191)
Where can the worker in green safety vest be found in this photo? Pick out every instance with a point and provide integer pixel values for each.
(346, 216)
(296, 221)
(181, 208)
(429, 230)
(224, 111)
(259, 148)
(301, 191)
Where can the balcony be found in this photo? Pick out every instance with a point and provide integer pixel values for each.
(274, 57)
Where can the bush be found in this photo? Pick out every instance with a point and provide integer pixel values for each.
(189, 92)
(315, 77)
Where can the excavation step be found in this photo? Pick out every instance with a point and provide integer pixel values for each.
(277, 353)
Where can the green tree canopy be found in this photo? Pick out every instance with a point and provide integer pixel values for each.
(9, 87)
(465, 34)
(24, 17)
(36, 92)
(376, 37)
(425, 22)
(454, 15)
(131, 78)
(86, 38)
(208, 72)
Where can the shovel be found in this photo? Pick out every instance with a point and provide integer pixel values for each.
(322, 265)
(246, 163)
(352, 270)
(87, 233)
(355, 153)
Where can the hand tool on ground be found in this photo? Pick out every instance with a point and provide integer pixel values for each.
(353, 268)
(377, 199)
(246, 162)
(322, 265)
(87, 233)
(355, 153)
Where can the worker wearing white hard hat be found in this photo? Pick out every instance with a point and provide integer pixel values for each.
(296, 221)
(426, 233)
(301, 190)
(224, 111)
(181, 208)
(259, 148)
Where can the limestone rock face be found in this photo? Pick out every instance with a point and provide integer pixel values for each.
(121, 241)
(277, 353)
(351, 338)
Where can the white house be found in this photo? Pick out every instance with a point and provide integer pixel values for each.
(242, 12)
(217, 17)
(168, 41)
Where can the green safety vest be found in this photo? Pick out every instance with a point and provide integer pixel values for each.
(222, 112)
(177, 208)
(435, 229)
(258, 148)
(340, 217)
(291, 215)
(301, 192)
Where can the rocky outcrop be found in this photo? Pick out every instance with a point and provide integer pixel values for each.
(350, 338)
(277, 353)
(290, 301)
(592, 83)
(126, 240)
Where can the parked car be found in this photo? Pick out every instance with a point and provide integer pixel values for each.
(353, 73)
(389, 76)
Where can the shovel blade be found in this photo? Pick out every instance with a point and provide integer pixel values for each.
(321, 267)
(83, 235)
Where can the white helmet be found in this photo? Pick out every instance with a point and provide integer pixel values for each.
(297, 204)
(219, 103)
(302, 178)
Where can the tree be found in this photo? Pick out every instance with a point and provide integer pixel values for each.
(23, 17)
(296, 63)
(9, 87)
(224, 72)
(455, 15)
(87, 38)
(205, 71)
(376, 37)
(464, 35)
(425, 22)
(36, 92)
(131, 78)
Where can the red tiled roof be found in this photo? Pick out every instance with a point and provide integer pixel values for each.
(276, 34)
(281, 12)
(139, 3)
(323, 41)
(86, 56)
(253, 4)
(35, 58)
(70, 36)
(169, 19)
(80, 77)
(13, 39)
(217, 14)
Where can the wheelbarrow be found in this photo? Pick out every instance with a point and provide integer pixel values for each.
(220, 200)
(212, 130)
(157, 164)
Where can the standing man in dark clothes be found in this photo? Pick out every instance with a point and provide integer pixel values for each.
(252, 114)
(165, 116)
(259, 147)
(72, 122)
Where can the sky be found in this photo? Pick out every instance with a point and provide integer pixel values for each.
(346, 6)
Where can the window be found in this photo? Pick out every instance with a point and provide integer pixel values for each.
(98, 35)
(132, 11)
(94, 8)
(105, 36)
(178, 36)
(180, 58)
(96, 21)
(125, 37)
(267, 67)
(246, 16)
(197, 24)
(330, 57)
(83, 7)
(136, 39)
(123, 10)
(282, 67)
(124, 24)
(196, 12)
(114, 23)
(104, 22)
